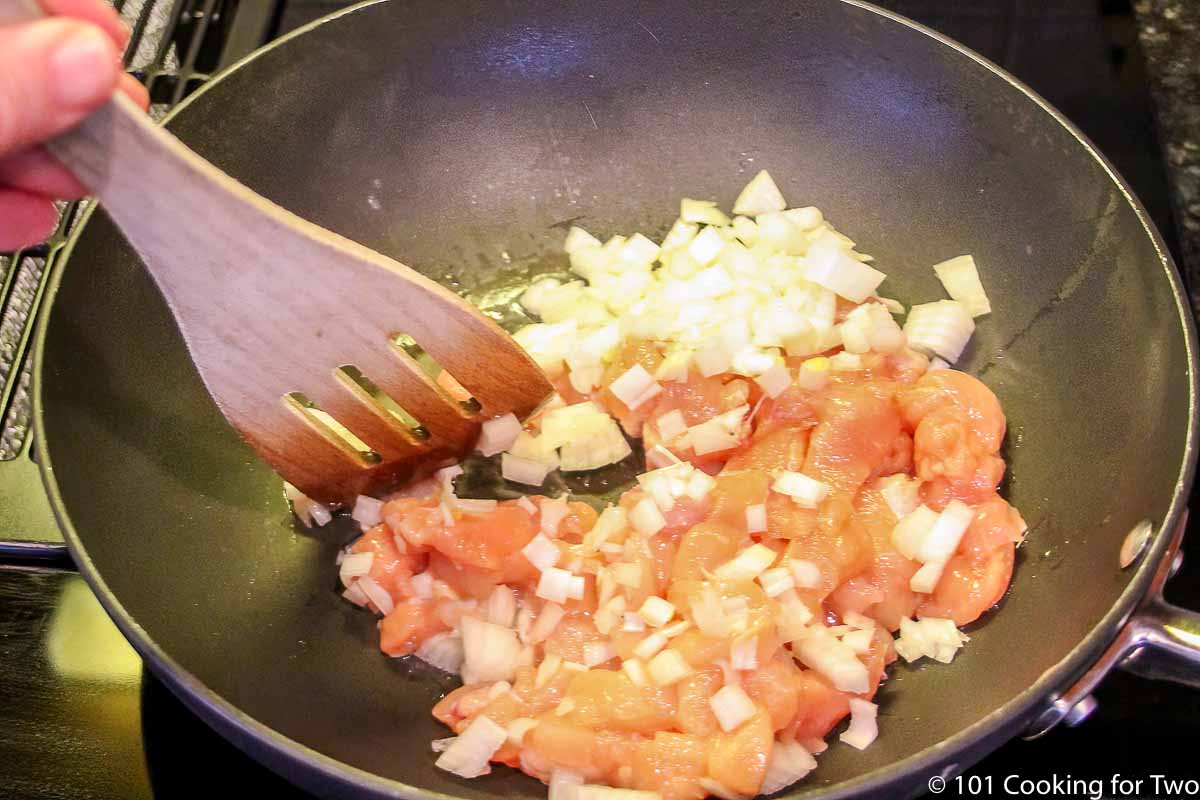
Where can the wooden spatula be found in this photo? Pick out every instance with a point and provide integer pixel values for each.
(284, 319)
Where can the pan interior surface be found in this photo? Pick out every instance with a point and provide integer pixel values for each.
(463, 138)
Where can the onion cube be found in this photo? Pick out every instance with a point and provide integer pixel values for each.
(806, 574)
(498, 434)
(804, 491)
(756, 518)
(634, 387)
(554, 585)
(776, 380)
(646, 518)
(541, 552)
(731, 706)
(776, 581)
(759, 196)
(748, 564)
(864, 725)
(656, 611)
(668, 667)
(670, 425)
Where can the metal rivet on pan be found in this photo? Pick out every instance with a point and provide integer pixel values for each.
(1081, 711)
(1135, 542)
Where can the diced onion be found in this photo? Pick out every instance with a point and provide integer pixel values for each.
(804, 491)
(699, 485)
(821, 650)
(501, 607)
(942, 328)
(627, 574)
(961, 279)
(518, 728)
(656, 611)
(931, 637)
(597, 653)
(634, 387)
(775, 381)
(789, 762)
(421, 585)
(743, 654)
(547, 670)
(442, 650)
(648, 647)
(748, 564)
(776, 581)
(814, 374)
(646, 518)
(564, 784)
(553, 512)
(925, 579)
(709, 613)
(633, 623)
(554, 585)
(546, 622)
(490, 652)
(355, 594)
(472, 505)
(791, 623)
(864, 725)
(376, 594)
(901, 493)
(828, 265)
(523, 470)
(731, 706)
(670, 425)
(912, 529)
(668, 667)
(756, 518)
(705, 247)
(943, 538)
(759, 196)
(368, 512)
(635, 671)
(859, 641)
(609, 525)
(541, 552)
(468, 755)
(806, 574)
(498, 434)
(355, 565)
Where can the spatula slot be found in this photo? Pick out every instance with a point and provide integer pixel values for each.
(454, 391)
(334, 432)
(381, 402)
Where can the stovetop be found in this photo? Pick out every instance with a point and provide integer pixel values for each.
(80, 718)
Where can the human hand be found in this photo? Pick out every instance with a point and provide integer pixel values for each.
(53, 73)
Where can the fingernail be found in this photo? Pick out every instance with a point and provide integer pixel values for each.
(82, 66)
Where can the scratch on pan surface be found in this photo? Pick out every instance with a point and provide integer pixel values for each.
(647, 30)
(591, 116)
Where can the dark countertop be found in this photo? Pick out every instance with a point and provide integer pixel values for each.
(1169, 32)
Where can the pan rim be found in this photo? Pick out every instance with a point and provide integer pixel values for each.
(320, 772)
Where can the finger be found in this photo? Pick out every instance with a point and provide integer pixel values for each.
(52, 74)
(25, 219)
(97, 12)
(136, 91)
(37, 172)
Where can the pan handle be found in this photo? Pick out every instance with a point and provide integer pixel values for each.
(1167, 644)
(1159, 641)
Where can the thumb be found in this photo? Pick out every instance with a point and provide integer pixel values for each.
(53, 73)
